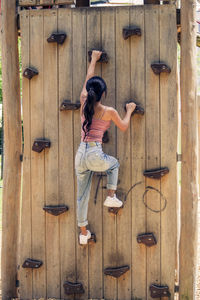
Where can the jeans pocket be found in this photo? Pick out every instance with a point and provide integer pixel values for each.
(78, 158)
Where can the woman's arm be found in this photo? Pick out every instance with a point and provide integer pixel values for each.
(122, 124)
(90, 73)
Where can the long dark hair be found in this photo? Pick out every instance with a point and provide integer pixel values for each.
(95, 87)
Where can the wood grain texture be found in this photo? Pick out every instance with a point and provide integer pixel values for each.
(124, 236)
(95, 271)
(189, 172)
(137, 143)
(169, 119)
(152, 142)
(109, 220)
(37, 159)
(51, 154)
(79, 73)
(26, 275)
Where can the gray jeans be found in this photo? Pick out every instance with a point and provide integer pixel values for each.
(89, 159)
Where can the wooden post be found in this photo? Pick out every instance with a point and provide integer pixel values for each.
(189, 171)
(13, 149)
(198, 99)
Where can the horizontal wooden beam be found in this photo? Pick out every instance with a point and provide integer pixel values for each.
(44, 2)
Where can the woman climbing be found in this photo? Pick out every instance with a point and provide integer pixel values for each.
(90, 158)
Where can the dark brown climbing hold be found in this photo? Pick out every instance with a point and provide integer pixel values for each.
(92, 240)
(138, 110)
(30, 72)
(158, 291)
(129, 31)
(147, 239)
(73, 288)
(68, 105)
(156, 173)
(160, 68)
(55, 209)
(40, 144)
(116, 271)
(114, 210)
(32, 263)
(105, 138)
(57, 37)
(103, 58)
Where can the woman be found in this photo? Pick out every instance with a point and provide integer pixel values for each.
(95, 120)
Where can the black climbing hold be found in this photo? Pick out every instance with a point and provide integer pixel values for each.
(115, 210)
(158, 291)
(139, 110)
(103, 58)
(147, 239)
(92, 240)
(105, 138)
(40, 144)
(129, 31)
(68, 105)
(57, 37)
(73, 288)
(156, 173)
(160, 68)
(116, 271)
(55, 209)
(30, 72)
(32, 263)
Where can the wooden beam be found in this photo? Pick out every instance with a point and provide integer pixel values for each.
(189, 170)
(44, 2)
(198, 99)
(13, 149)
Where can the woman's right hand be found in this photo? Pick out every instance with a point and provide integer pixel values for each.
(130, 107)
(96, 55)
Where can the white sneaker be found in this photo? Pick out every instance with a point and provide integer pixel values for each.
(83, 239)
(113, 201)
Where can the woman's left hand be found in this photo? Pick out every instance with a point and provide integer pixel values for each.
(96, 55)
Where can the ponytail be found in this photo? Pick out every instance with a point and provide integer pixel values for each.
(88, 111)
(95, 87)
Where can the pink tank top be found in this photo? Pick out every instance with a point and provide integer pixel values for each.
(97, 129)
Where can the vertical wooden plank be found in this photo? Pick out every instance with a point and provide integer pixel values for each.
(124, 236)
(51, 155)
(152, 141)
(79, 73)
(189, 144)
(95, 210)
(37, 159)
(109, 220)
(168, 115)
(138, 155)
(66, 179)
(25, 275)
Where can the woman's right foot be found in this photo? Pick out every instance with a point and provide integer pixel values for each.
(113, 201)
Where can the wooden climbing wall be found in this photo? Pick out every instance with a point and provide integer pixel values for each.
(150, 142)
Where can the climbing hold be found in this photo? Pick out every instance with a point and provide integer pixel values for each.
(30, 72)
(138, 110)
(40, 144)
(160, 68)
(73, 288)
(114, 210)
(103, 58)
(117, 271)
(57, 37)
(55, 209)
(159, 291)
(156, 173)
(32, 263)
(129, 31)
(92, 240)
(147, 239)
(105, 138)
(68, 105)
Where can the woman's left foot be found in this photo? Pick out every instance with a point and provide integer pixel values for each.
(83, 239)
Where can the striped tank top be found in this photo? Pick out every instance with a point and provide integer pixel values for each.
(97, 129)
